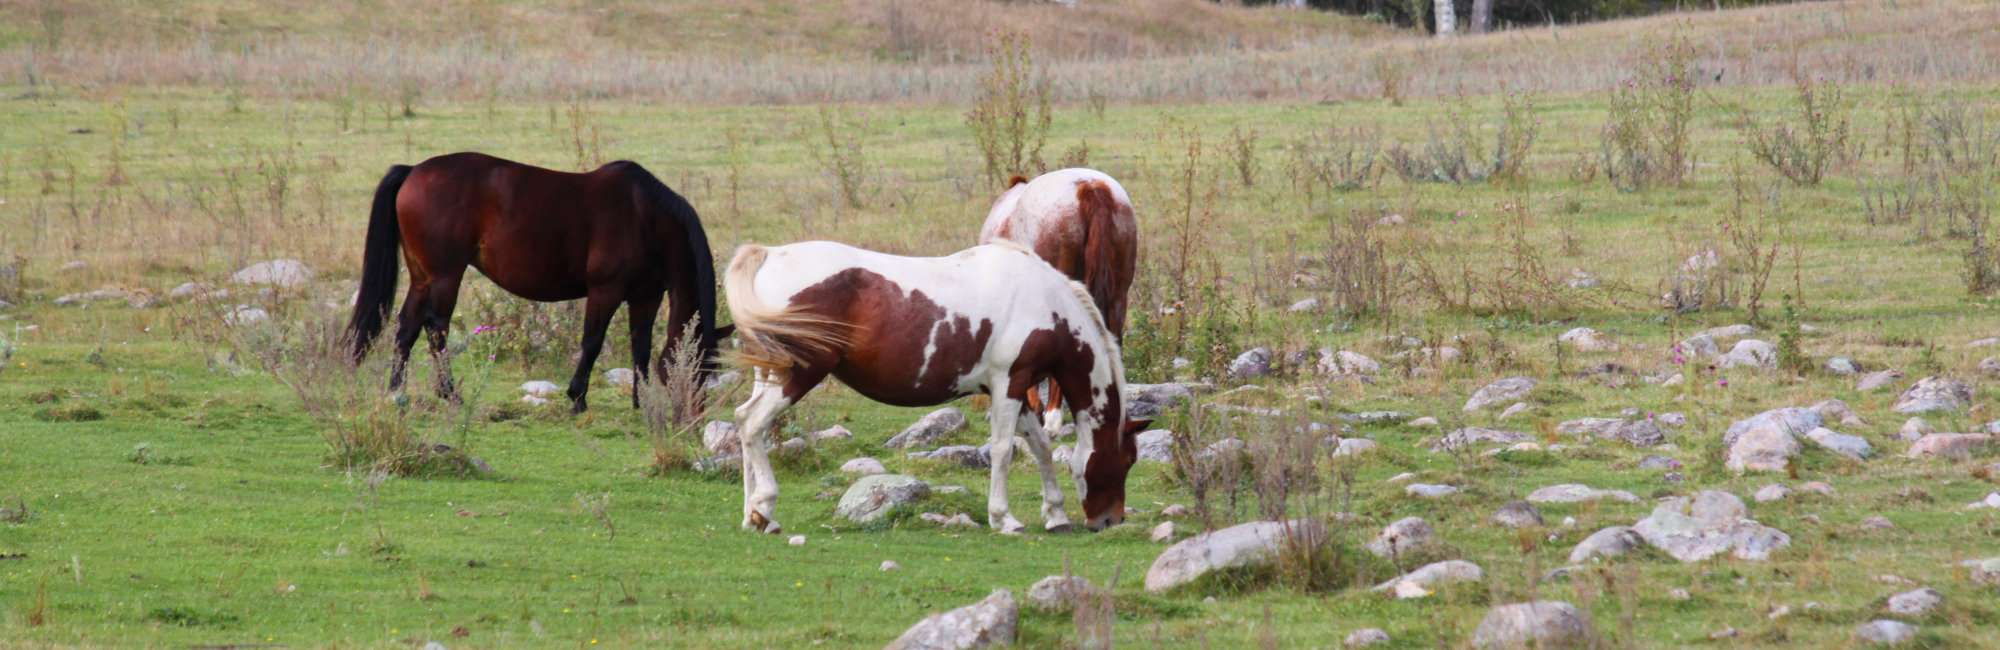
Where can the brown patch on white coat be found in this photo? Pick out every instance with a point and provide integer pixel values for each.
(923, 331)
(1081, 222)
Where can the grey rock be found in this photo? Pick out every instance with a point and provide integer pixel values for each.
(1854, 447)
(1365, 637)
(1517, 514)
(719, 437)
(958, 520)
(1149, 400)
(1403, 537)
(1578, 493)
(285, 274)
(245, 315)
(1793, 420)
(1751, 353)
(1607, 543)
(1250, 544)
(1354, 447)
(1914, 428)
(1843, 366)
(835, 432)
(1713, 522)
(1517, 409)
(1772, 492)
(1057, 594)
(926, 431)
(964, 455)
(1934, 394)
(1156, 445)
(1728, 332)
(875, 495)
(1542, 624)
(1699, 346)
(1374, 417)
(1877, 380)
(1585, 339)
(1253, 363)
(1878, 522)
(1834, 410)
(1885, 632)
(1764, 449)
(1307, 305)
(1659, 463)
(1425, 421)
(1990, 366)
(1916, 602)
(541, 388)
(1162, 533)
(1948, 445)
(1419, 583)
(1983, 571)
(864, 466)
(1503, 391)
(1345, 362)
(620, 377)
(1636, 432)
(990, 622)
(1429, 490)
(1470, 436)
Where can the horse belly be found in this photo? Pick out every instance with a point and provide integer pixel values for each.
(917, 373)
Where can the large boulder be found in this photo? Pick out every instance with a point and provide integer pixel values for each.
(928, 430)
(990, 622)
(1250, 544)
(285, 274)
(1156, 445)
(1934, 394)
(1504, 391)
(875, 495)
(1712, 523)
(1542, 624)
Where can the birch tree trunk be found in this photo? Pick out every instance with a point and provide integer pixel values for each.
(1447, 21)
(1482, 16)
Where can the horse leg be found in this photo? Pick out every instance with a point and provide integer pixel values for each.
(1052, 410)
(437, 322)
(754, 435)
(641, 312)
(1054, 518)
(597, 311)
(409, 325)
(761, 382)
(1003, 418)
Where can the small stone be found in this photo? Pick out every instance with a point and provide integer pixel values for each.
(1517, 409)
(1817, 487)
(245, 315)
(1058, 594)
(1724, 633)
(1659, 463)
(1948, 445)
(1854, 447)
(1403, 537)
(990, 622)
(1585, 339)
(1914, 428)
(1885, 632)
(1424, 580)
(1678, 593)
(1254, 543)
(1429, 491)
(1502, 391)
(1253, 363)
(1162, 533)
(1156, 445)
(1607, 543)
(540, 388)
(891, 565)
(620, 377)
(928, 430)
(1174, 510)
(1751, 353)
(1365, 637)
(797, 540)
(285, 274)
(873, 496)
(1772, 492)
(835, 432)
(1764, 449)
(1878, 522)
(1984, 572)
(719, 437)
(1354, 447)
(1877, 380)
(1426, 421)
(1578, 493)
(1991, 502)
(1915, 603)
(1843, 366)
(864, 466)
(1470, 436)
(1399, 478)
(532, 400)
(1517, 514)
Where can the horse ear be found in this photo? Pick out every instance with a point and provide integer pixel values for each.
(1017, 179)
(1135, 426)
(724, 331)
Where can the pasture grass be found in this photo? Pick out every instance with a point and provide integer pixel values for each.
(162, 494)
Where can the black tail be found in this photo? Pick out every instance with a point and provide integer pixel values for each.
(378, 263)
(701, 258)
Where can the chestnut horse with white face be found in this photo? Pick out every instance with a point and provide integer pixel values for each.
(921, 331)
(1081, 222)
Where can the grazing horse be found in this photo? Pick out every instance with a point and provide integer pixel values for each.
(612, 236)
(921, 331)
(1081, 222)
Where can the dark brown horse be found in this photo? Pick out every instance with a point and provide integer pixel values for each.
(612, 236)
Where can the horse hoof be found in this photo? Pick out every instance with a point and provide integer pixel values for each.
(1061, 528)
(760, 523)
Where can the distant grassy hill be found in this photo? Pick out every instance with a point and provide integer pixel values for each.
(823, 30)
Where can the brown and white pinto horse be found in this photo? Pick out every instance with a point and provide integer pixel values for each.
(919, 331)
(1081, 222)
(612, 236)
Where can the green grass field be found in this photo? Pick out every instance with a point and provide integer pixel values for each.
(173, 500)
